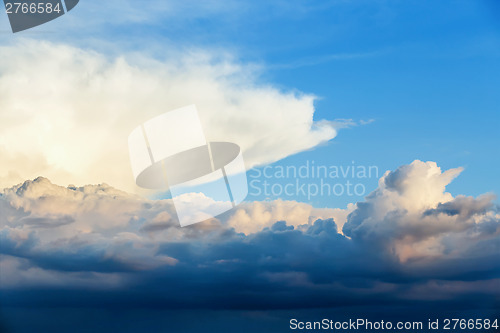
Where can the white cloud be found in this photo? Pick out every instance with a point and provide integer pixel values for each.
(65, 112)
(106, 230)
(60, 233)
(250, 217)
(54, 213)
(411, 215)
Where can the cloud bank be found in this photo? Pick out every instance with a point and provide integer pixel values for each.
(409, 241)
(66, 113)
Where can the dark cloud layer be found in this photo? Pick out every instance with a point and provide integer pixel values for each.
(97, 252)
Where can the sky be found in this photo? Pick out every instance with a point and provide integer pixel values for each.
(425, 76)
(397, 98)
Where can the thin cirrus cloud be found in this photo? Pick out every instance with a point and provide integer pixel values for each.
(407, 234)
(66, 113)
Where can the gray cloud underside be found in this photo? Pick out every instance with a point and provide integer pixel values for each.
(97, 245)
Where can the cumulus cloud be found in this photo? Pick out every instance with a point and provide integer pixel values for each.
(399, 247)
(251, 217)
(411, 215)
(66, 113)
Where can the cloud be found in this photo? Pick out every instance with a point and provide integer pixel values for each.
(411, 215)
(251, 217)
(399, 248)
(66, 112)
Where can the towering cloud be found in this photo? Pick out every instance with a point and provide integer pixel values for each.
(66, 113)
(411, 215)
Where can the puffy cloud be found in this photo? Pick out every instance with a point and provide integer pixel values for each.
(66, 113)
(94, 251)
(100, 229)
(411, 215)
(65, 229)
(55, 237)
(251, 217)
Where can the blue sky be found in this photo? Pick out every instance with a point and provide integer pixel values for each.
(427, 74)
(432, 88)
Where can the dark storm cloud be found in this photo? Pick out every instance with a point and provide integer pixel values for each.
(277, 268)
(95, 246)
